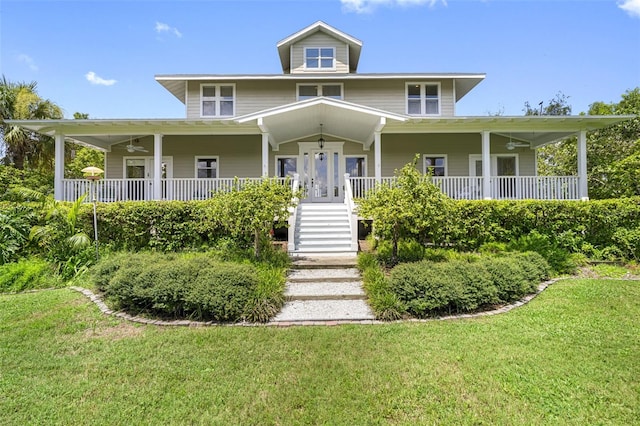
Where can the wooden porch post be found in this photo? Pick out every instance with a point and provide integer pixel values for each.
(58, 171)
(265, 154)
(377, 154)
(157, 166)
(583, 189)
(486, 165)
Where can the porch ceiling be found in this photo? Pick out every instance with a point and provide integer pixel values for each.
(339, 119)
(536, 130)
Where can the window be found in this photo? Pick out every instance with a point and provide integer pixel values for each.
(435, 165)
(356, 166)
(319, 58)
(286, 166)
(308, 91)
(423, 98)
(206, 167)
(217, 100)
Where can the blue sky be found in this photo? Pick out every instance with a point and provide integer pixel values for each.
(101, 57)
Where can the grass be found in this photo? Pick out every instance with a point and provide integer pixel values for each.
(568, 357)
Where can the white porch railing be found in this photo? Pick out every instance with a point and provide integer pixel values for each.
(502, 187)
(456, 187)
(535, 187)
(108, 190)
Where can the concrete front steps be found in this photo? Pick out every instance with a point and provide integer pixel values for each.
(324, 289)
(323, 230)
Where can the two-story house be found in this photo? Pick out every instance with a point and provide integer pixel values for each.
(337, 130)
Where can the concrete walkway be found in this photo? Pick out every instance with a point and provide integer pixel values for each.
(324, 289)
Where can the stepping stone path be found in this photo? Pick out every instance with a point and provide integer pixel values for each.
(324, 289)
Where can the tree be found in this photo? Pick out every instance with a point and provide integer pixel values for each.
(250, 212)
(23, 148)
(78, 157)
(412, 206)
(612, 152)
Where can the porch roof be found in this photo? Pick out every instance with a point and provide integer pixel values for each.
(339, 119)
(535, 130)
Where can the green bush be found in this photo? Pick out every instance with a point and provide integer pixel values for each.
(385, 304)
(193, 285)
(465, 283)
(28, 274)
(559, 259)
(430, 288)
(408, 251)
(573, 226)
(628, 242)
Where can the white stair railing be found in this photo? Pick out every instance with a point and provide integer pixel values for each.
(353, 217)
(293, 215)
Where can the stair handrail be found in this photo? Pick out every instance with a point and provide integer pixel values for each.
(293, 212)
(353, 220)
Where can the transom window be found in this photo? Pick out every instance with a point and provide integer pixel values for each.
(423, 98)
(321, 58)
(218, 100)
(308, 91)
(206, 167)
(435, 165)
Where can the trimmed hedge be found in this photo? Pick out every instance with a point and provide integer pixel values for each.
(194, 286)
(429, 288)
(587, 227)
(579, 227)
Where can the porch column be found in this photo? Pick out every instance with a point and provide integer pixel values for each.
(486, 164)
(157, 166)
(583, 189)
(58, 171)
(265, 154)
(377, 156)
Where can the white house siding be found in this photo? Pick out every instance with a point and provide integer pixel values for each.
(399, 149)
(319, 39)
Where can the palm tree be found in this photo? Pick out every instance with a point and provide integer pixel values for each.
(20, 101)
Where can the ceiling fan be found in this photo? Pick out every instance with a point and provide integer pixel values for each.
(135, 148)
(511, 145)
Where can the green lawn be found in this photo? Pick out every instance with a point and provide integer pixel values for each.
(572, 356)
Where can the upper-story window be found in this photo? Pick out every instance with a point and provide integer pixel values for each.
(320, 58)
(423, 98)
(218, 100)
(308, 91)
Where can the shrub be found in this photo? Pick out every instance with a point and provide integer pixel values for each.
(559, 259)
(465, 284)
(28, 274)
(628, 241)
(408, 251)
(431, 288)
(192, 285)
(385, 304)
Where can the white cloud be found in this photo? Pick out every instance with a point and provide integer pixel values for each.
(632, 7)
(161, 27)
(93, 78)
(28, 60)
(368, 6)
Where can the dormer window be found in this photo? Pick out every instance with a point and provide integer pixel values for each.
(217, 100)
(308, 91)
(423, 98)
(320, 58)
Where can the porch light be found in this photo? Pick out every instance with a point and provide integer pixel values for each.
(321, 140)
(93, 174)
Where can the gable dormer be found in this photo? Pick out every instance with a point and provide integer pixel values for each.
(319, 48)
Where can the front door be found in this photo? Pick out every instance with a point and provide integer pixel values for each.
(321, 174)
